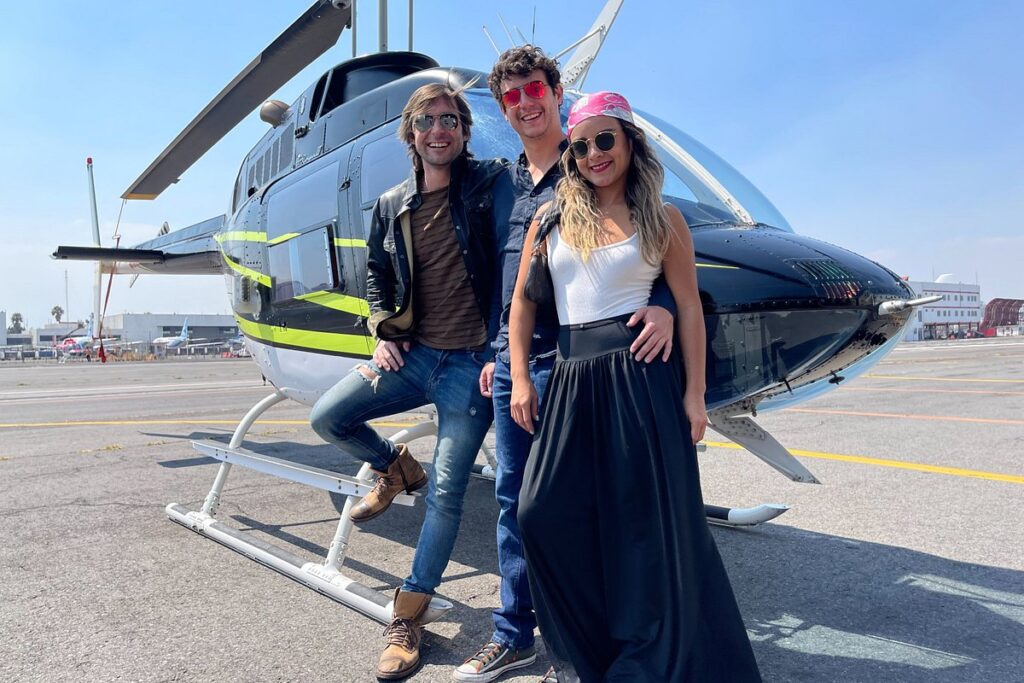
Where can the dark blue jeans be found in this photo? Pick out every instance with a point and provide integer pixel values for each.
(514, 621)
(449, 380)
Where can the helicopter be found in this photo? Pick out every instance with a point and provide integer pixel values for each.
(788, 317)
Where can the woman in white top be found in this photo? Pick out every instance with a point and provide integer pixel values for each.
(628, 583)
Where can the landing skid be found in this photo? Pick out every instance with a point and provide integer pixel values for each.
(326, 578)
(716, 514)
(743, 516)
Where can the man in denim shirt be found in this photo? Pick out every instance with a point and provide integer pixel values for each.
(527, 85)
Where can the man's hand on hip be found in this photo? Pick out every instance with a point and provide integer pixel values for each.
(388, 355)
(655, 337)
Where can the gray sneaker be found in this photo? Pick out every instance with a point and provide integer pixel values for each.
(492, 661)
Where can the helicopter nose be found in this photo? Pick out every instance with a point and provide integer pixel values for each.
(769, 269)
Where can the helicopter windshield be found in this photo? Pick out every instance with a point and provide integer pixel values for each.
(492, 137)
(756, 204)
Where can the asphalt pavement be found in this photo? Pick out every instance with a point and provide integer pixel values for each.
(905, 564)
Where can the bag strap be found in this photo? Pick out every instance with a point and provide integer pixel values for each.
(548, 221)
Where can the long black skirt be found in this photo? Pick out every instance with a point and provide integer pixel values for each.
(626, 579)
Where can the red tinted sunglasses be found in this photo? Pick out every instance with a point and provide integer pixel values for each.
(534, 89)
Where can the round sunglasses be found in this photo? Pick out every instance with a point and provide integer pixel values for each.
(425, 122)
(534, 90)
(604, 141)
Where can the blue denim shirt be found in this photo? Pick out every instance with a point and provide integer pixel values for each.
(516, 200)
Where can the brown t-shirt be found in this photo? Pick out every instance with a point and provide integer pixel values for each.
(447, 314)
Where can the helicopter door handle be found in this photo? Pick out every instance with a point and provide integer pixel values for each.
(301, 131)
(347, 183)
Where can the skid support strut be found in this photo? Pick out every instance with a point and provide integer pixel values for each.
(325, 578)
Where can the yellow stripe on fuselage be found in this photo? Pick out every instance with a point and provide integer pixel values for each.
(331, 342)
(248, 272)
(283, 238)
(241, 236)
(339, 302)
(346, 242)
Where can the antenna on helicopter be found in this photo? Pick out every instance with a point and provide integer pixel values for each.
(507, 32)
(493, 44)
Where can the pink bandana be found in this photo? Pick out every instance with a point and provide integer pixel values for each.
(604, 103)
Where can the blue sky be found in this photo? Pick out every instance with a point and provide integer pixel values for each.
(890, 128)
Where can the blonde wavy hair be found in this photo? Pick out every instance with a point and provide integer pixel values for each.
(576, 200)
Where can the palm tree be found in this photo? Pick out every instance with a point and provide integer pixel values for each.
(57, 312)
(16, 326)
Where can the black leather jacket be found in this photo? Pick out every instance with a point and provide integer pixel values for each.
(389, 277)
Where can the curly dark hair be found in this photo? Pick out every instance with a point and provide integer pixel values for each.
(519, 61)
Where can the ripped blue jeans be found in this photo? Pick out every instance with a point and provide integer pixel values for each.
(449, 380)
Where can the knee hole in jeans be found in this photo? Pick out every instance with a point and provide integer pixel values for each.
(369, 375)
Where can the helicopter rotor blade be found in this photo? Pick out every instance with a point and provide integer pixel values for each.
(307, 38)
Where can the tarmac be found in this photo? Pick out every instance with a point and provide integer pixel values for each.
(905, 564)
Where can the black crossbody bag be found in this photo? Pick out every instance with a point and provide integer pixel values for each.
(538, 287)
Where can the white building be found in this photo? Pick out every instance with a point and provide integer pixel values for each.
(959, 311)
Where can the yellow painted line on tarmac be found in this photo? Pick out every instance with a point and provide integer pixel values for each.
(105, 423)
(898, 464)
(906, 416)
(915, 378)
(935, 391)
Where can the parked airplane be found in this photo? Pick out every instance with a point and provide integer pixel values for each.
(178, 340)
(788, 317)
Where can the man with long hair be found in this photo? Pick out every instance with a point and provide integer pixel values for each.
(430, 263)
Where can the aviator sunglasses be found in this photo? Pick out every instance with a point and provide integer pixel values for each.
(604, 141)
(513, 96)
(425, 122)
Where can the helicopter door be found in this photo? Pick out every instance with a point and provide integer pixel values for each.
(312, 284)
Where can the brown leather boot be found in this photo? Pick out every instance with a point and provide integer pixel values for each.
(401, 656)
(404, 474)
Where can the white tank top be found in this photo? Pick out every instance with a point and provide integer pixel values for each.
(613, 281)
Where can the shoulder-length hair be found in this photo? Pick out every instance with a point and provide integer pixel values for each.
(419, 102)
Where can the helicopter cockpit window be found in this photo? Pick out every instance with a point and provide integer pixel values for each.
(318, 96)
(492, 137)
(300, 226)
(759, 207)
(303, 265)
(236, 198)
